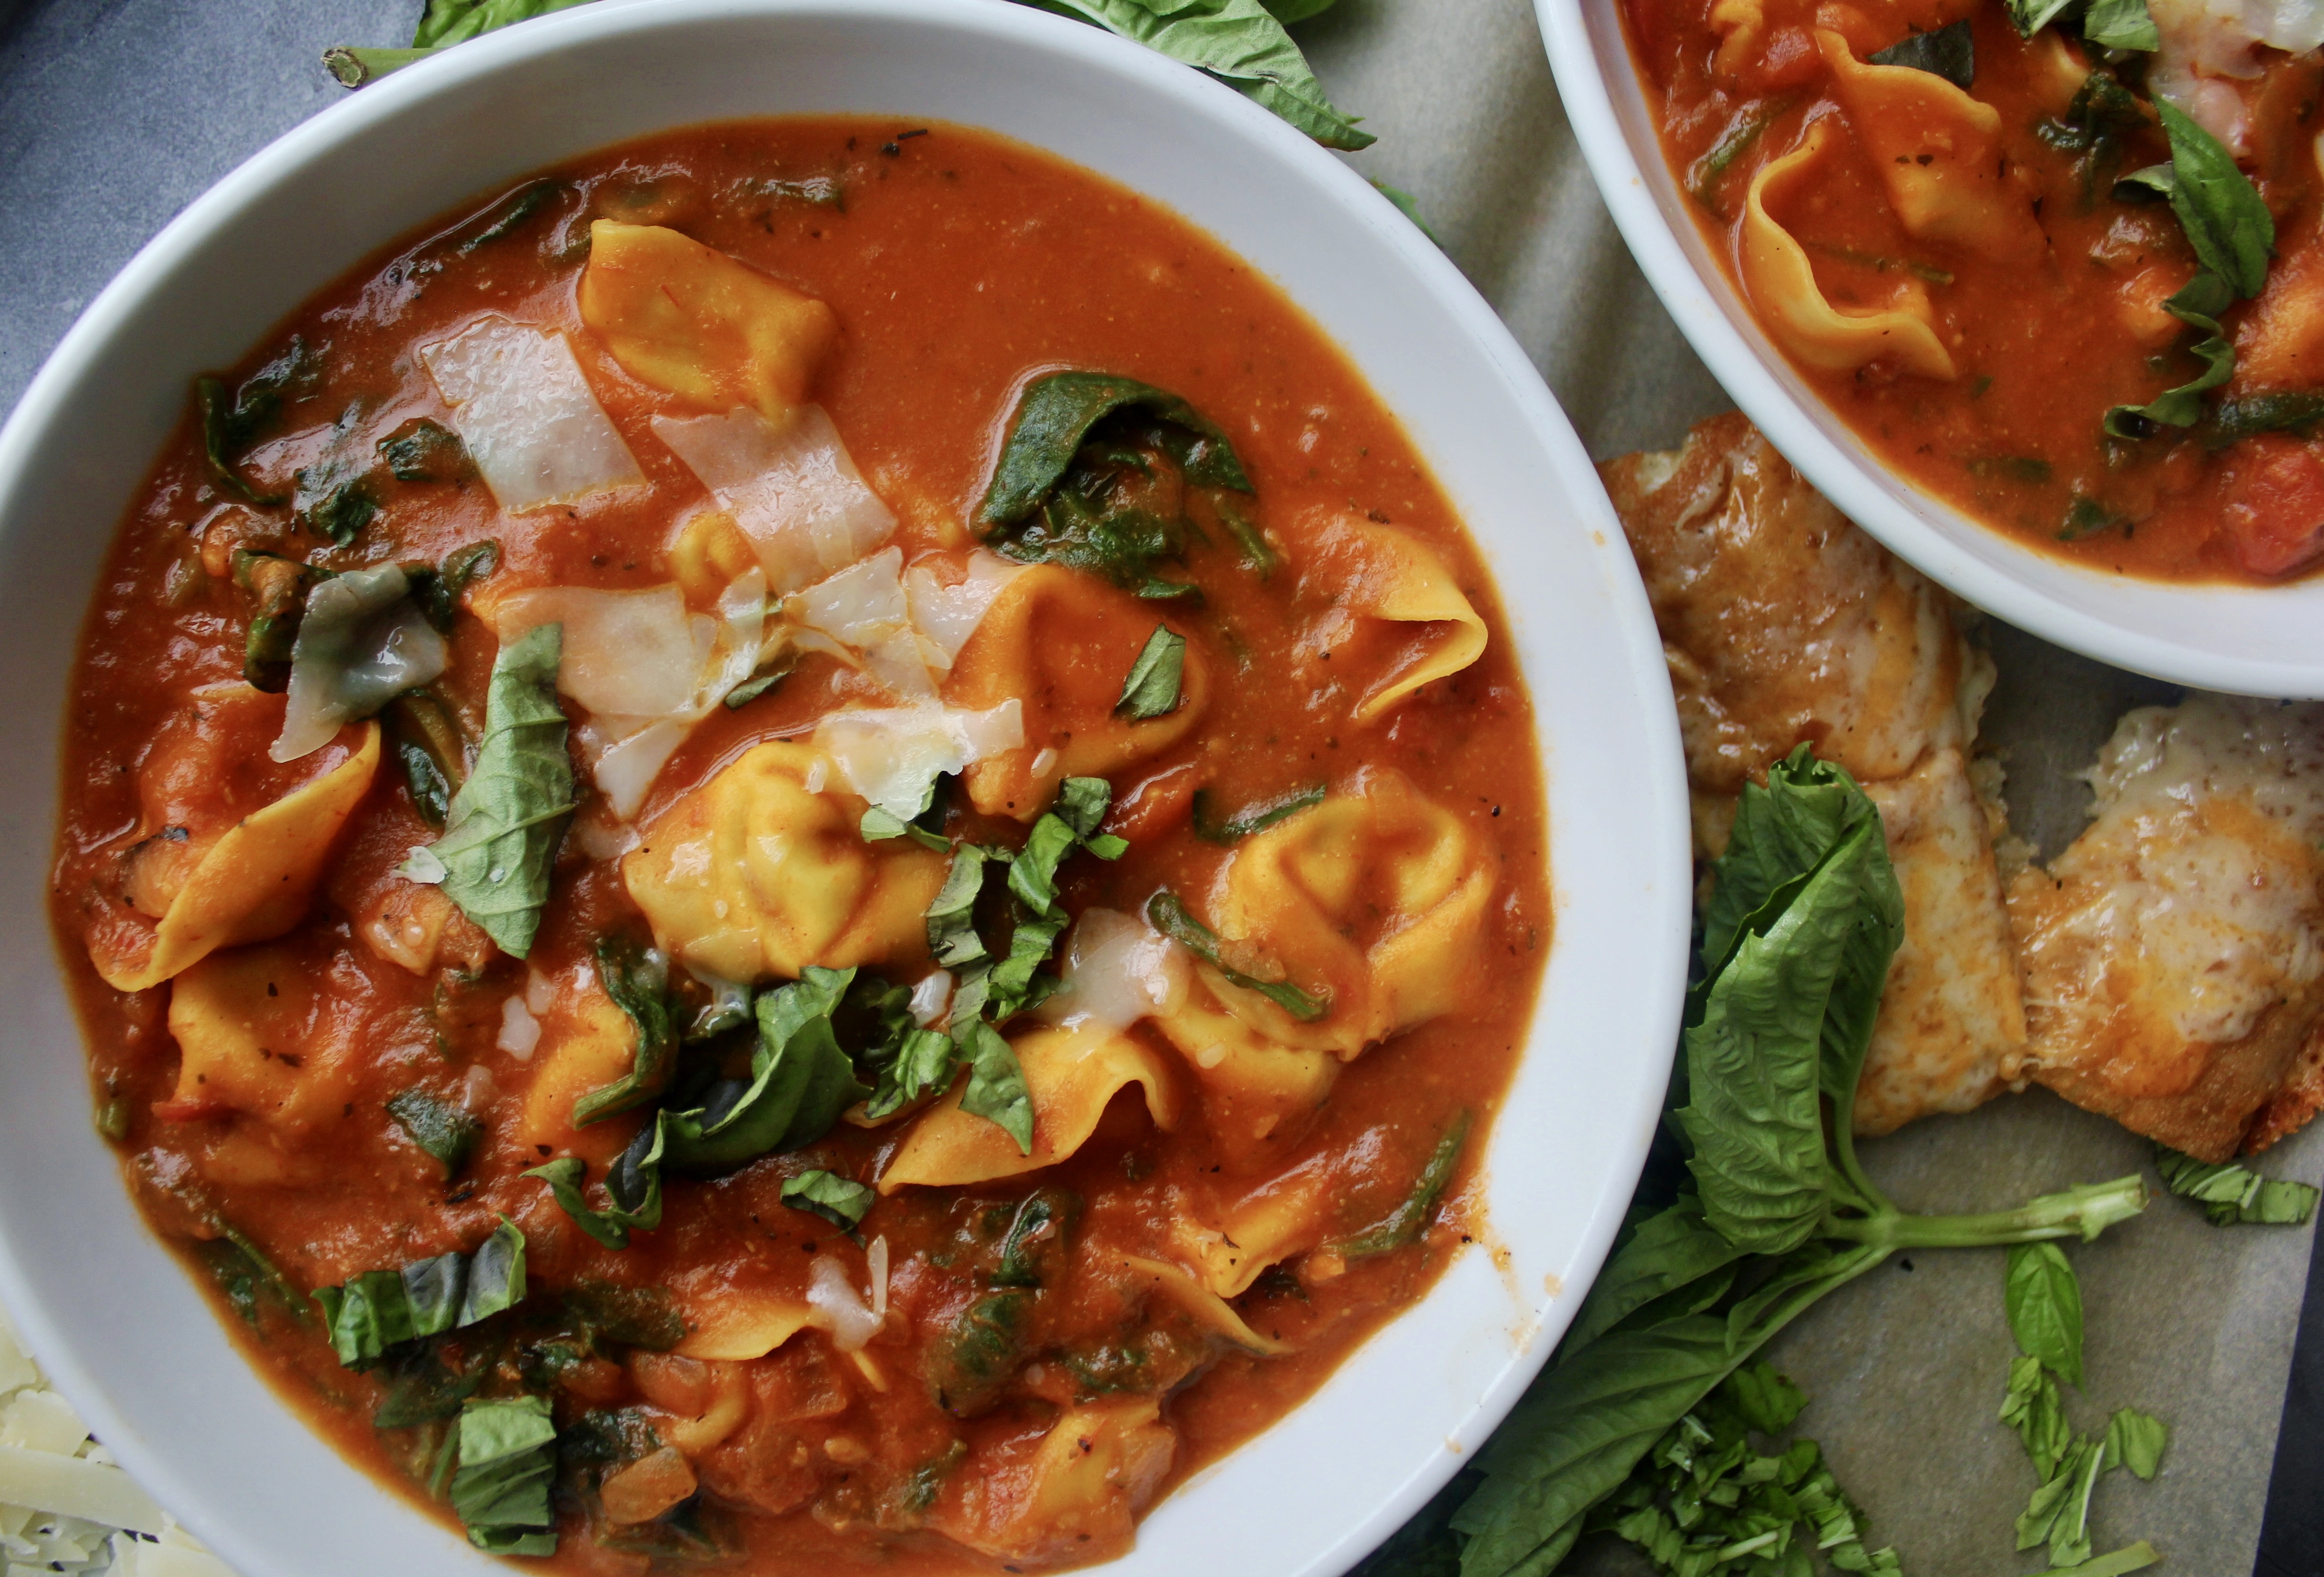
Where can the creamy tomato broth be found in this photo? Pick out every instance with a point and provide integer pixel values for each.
(808, 843)
(1959, 228)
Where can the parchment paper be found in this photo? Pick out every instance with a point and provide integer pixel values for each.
(113, 115)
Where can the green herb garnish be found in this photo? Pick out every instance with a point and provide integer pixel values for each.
(378, 1309)
(1947, 51)
(1171, 916)
(1150, 689)
(2234, 1196)
(841, 1201)
(442, 1129)
(637, 978)
(507, 1457)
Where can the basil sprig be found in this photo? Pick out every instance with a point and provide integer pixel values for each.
(504, 824)
(841, 1201)
(1797, 938)
(378, 1309)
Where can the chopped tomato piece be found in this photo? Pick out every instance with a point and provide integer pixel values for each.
(2273, 504)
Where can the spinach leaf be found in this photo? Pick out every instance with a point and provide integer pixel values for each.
(2232, 1194)
(2087, 517)
(437, 588)
(2228, 225)
(442, 1129)
(426, 739)
(422, 450)
(1671, 1251)
(996, 1081)
(508, 1455)
(2134, 1440)
(506, 216)
(378, 1309)
(637, 978)
(331, 502)
(233, 420)
(2044, 1300)
(1241, 44)
(2235, 419)
(504, 825)
(2196, 304)
(1749, 123)
(1081, 478)
(2098, 126)
(1150, 689)
(1403, 1226)
(2121, 24)
(1948, 51)
(841, 1201)
(2034, 1407)
(634, 1185)
(278, 588)
(800, 1082)
(1169, 914)
(1252, 818)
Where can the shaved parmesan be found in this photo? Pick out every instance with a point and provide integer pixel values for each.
(520, 1030)
(863, 609)
(792, 488)
(75, 1486)
(361, 644)
(893, 756)
(523, 406)
(875, 1259)
(949, 614)
(930, 997)
(838, 1307)
(1118, 970)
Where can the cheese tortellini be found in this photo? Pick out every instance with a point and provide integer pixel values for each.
(1386, 587)
(762, 870)
(1060, 642)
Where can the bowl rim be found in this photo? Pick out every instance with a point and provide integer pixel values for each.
(1997, 572)
(1661, 911)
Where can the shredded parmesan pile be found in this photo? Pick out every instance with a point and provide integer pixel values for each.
(65, 1505)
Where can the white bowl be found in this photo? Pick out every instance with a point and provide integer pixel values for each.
(2259, 641)
(128, 1335)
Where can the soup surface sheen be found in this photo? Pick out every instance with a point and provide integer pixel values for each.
(509, 976)
(1959, 267)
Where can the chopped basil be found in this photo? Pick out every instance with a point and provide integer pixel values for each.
(2087, 517)
(1152, 687)
(952, 936)
(232, 421)
(638, 979)
(920, 1062)
(2294, 410)
(505, 822)
(2097, 126)
(1070, 824)
(996, 1082)
(378, 1309)
(762, 681)
(1948, 51)
(2228, 225)
(440, 1128)
(1252, 818)
(800, 1082)
(2121, 24)
(437, 589)
(1171, 917)
(421, 450)
(2152, 184)
(1403, 1226)
(634, 1185)
(426, 739)
(508, 1455)
(1703, 177)
(2234, 1196)
(2197, 304)
(2026, 470)
(841, 1201)
(2031, 16)
(506, 216)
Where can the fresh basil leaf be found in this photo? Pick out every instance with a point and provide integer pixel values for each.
(2155, 183)
(1252, 818)
(440, 1128)
(2231, 1195)
(2228, 225)
(233, 420)
(996, 1082)
(2196, 304)
(508, 1455)
(1783, 832)
(2121, 24)
(2044, 1300)
(1070, 824)
(437, 588)
(1769, 1402)
(952, 936)
(923, 1064)
(800, 1082)
(762, 681)
(501, 835)
(1409, 207)
(1287, 12)
(379, 1309)
(2235, 419)
(2031, 16)
(879, 825)
(841, 1201)
(2134, 1440)
(1054, 418)
(2034, 1407)
(1948, 51)
(1671, 1251)
(1169, 914)
(1237, 42)
(2130, 1558)
(637, 978)
(1013, 984)
(2058, 1511)
(1150, 689)
(634, 1185)
(1403, 1226)
(423, 450)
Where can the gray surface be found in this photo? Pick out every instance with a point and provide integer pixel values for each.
(113, 115)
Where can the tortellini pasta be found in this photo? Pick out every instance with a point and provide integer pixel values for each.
(762, 870)
(1063, 643)
(251, 881)
(1938, 150)
(256, 1038)
(1783, 288)
(1071, 1074)
(587, 1043)
(697, 323)
(1387, 586)
(1078, 1497)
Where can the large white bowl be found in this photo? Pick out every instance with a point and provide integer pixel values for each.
(131, 1339)
(2260, 641)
